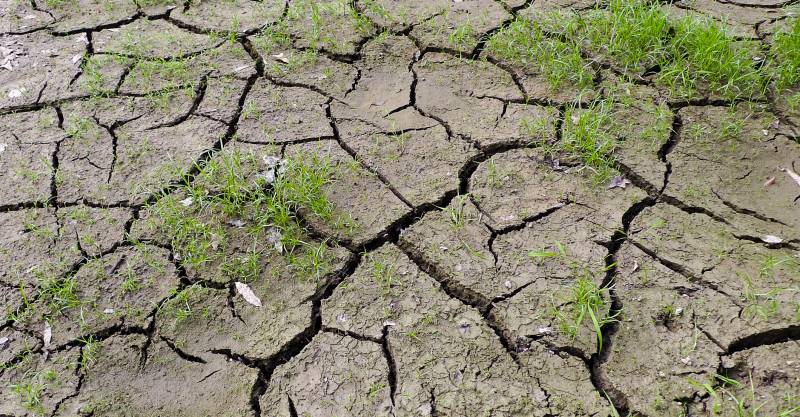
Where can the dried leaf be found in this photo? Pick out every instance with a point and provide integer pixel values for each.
(792, 174)
(771, 239)
(248, 294)
(186, 202)
(769, 181)
(281, 58)
(274, 236)
(47, 335)
(618, 182)
(237, 223)
(635, 267)
(3, 342)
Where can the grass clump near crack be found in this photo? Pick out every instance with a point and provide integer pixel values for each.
(242, 206)
(558, 59)
(690, 56)
(585, 302)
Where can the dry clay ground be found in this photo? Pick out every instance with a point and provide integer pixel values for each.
(426, 252)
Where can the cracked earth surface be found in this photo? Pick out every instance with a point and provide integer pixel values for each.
(108, 106)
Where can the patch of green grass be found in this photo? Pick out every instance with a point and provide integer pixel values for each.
(632, 33)
(588, 138)
(786, 53)
(557, 59)
(90, 348)
(384, 273)
(702, 52)
(31, 395)
(456, 211)
(232, 205)
(586, 300)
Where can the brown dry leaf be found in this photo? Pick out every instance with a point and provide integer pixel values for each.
(769, 181)
(248, 294)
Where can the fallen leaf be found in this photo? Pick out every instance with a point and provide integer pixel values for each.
(274, 236)
(47, 335)
(792, 174)
(237, 223)
(618, 182)
(635, 267)
(771, 239)
(769, 181)
(248, 294)
(281, 58)
(76, 58)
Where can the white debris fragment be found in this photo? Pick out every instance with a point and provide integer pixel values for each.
(389, 323)
(186, 202)
(108, 311)
(508, 284)
(791, 174)
(47, 336)
(274, 237)
(248, 294)
(618, 182)
(77, 58)
(771, 239)
(15, 93)
(545, 330)
(237, 223)
(281, 58)
(3, 147)
(3, 342)
(341, 318)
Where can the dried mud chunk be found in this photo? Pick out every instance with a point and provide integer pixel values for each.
(385, 84)
(85, 159)
(421, 165)
(229, 15)
(15, 345)
(21, 16)
(455, 243)
(333, 376)
(305, 67)
(152, 38)
(148, 160)
(221, 99)
(43, 67)
(769, 378)
(330, 25)
(762, 282)
(33, 246)
(167, 385)
(27, 143)
(117, 290)
(722, 161)
(541, 267)
(273, 114)
(35, 386)
(98, 230)
(151, 76)
(202, 319)
(364, 206)
(661, 341)
(446, 357)
(515, 186)
(566, 380)
(101, 75)
(459, 25)
(77, 15)
(642, 124)
(469, 98)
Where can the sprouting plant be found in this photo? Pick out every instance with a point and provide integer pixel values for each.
(587, 138)
(31, 395)
(456, 211)
(493, 176)
(384, 273)
(586, 302)
(89, 351)
(762, 304)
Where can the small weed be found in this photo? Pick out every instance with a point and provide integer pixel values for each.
(89, 351)
(31, 396)
(455, 212)
(587, 138)
(385, 275)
